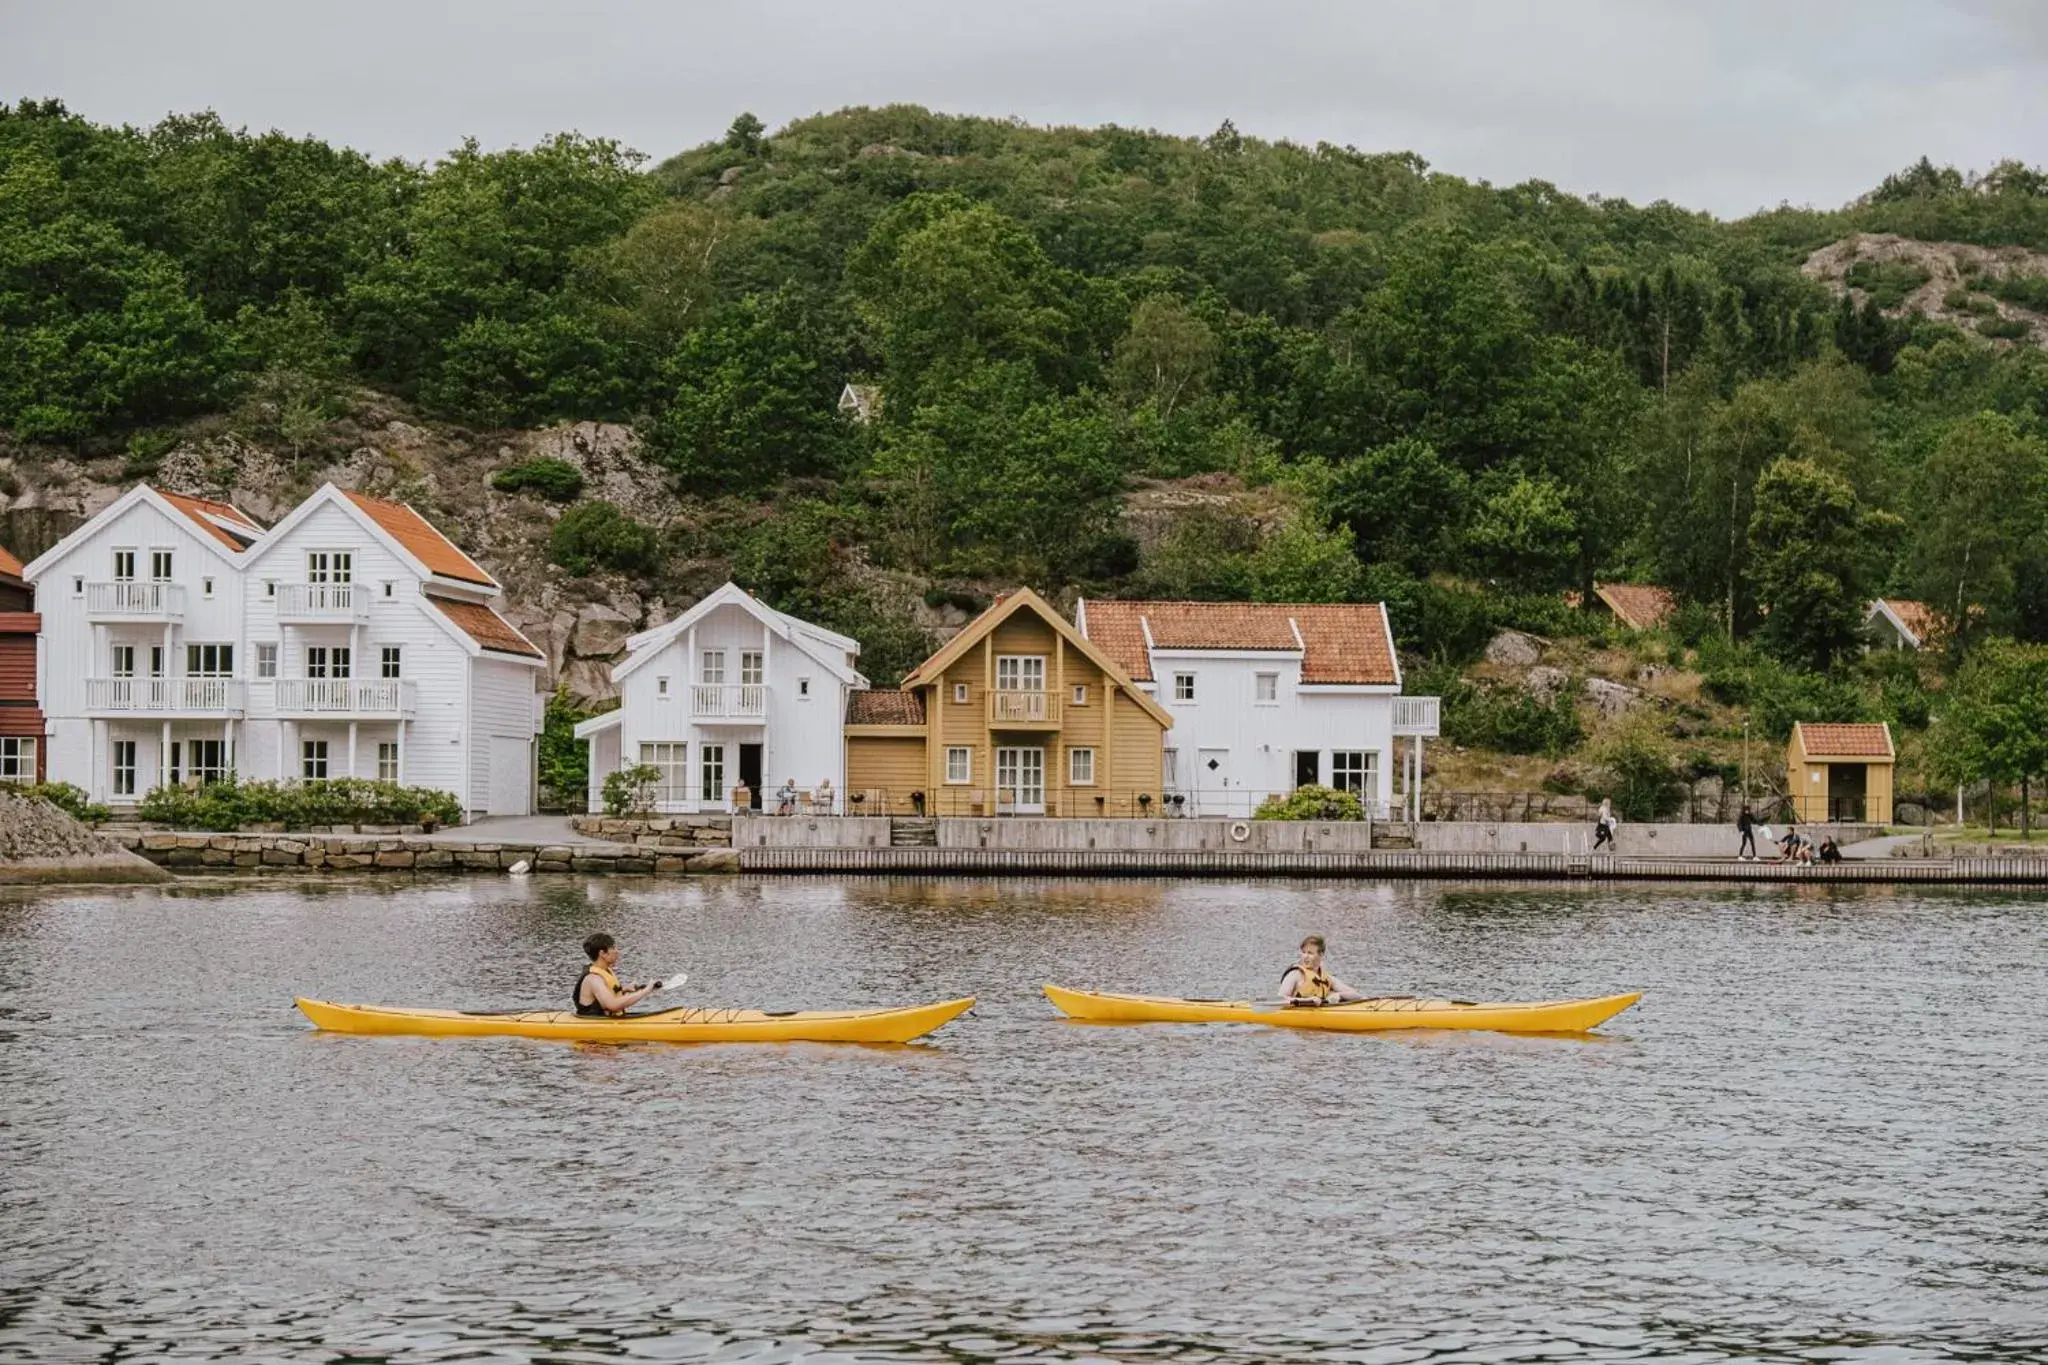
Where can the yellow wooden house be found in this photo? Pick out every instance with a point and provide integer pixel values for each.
(1017, 715)
(1837, 772)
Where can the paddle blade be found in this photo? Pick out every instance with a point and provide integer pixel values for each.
(670, 983)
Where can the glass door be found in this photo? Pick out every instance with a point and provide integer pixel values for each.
(1020, 781)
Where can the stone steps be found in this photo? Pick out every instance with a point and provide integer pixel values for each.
(906, 832)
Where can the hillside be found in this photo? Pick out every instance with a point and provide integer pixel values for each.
(1107, 361)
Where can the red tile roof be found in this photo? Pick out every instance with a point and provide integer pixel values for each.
(1340, 642)
(1917, 617)
(884, 706)
(1639, 606)
(421, 539)
(208, 516)
(490, 630)
(9, 565)
(1834, 740)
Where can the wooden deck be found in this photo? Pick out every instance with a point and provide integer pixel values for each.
(1384, 864)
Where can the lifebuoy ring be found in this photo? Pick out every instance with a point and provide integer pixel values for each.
(1240, 831)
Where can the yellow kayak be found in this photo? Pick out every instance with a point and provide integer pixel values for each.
(692, 1024)
(1389, 1012)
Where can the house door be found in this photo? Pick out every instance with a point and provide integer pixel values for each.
(1212, 781)
(1020, 781)
(511, 784)
(750, 768)
(1308, 767)
(1848, 788)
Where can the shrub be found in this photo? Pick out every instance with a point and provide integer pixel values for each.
(564, 759)
(1311, 802)
(1967, 301)
(1694, 623)
(231, 804)
(2028, 291)
(630, 791)
(555, 480)
(594, 535)
(1638, 772)
(2003, 329)
(65, 797)
(1776, 696)
(1887, 282)
(1489, 717)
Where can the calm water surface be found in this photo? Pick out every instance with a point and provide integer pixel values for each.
(1823, 1136)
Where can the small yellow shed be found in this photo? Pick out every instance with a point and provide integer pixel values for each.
(1836, 772)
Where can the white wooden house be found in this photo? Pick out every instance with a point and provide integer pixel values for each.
(376, 650)
(1267, 697)
(141, 664)
(730, 693)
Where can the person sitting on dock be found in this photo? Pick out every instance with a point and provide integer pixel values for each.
(598, 991)
(1307, 983)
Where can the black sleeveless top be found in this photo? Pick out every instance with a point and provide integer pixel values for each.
(576, 998)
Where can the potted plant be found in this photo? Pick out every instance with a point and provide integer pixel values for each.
(1145, 802)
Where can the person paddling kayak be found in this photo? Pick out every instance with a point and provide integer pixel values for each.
(598, 991)
(1307, 983)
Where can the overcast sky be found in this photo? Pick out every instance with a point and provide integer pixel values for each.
(1728, 105)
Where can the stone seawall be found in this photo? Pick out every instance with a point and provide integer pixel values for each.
(334, 853)
(668, 833)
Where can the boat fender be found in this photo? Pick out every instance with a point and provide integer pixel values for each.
(1240, 831)
(520, 868)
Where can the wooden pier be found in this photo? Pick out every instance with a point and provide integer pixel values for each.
(1388, 864)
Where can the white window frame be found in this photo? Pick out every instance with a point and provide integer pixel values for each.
(335, 661)
(387, 760)
(124, 573)
(162, 564)
(123, 756)
(672, 758)
(1020, 673)
(266, 659)
(1080, 694)
(1266, 689)
(711, 668)
(206, 587)
(390, 661)
(1081, 767)
(1184, 688)
(121, 661)
(962, 774)
(751, 665)
(314, 760)
(330, 566)
(222, 665)
(959, 694)
(18, 758)
(803, 689)
(661, 687)
(1355, 770)
(219, 760)
(711, 772)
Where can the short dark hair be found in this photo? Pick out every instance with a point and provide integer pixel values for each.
(597, 943)
(1316, 939)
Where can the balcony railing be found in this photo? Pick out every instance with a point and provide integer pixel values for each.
(1417, 716)
(165, 696)
(344, 697)
(1014, 707)
(131, 600)
(313, 602)
(728, 701)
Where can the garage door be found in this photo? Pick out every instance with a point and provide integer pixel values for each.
(511, 776)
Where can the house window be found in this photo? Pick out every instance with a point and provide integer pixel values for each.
(329, 566)
(803, 689)
(206, 587)
(959, 694)
(1183, 687)
(327, 661)
(78, 587)
(387, 587)
(160, 566)
(1081, 767)
(1355, 770)
(714, 668)
(1266, 688)
(313, 759)
(1080, 694)
(17, 760)
(750, 668)
(156, 661)
(389, 662)
(1020, 673)
(672, 761)
(266, 661)
(209, 758)
(124, 661)
(661, 687)
(209, 661)
(387, 762)
(959, 765)
(124, 767)
(270, 587)
(713, 769)
(124, 566)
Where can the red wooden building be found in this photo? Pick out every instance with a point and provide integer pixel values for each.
(22, 750)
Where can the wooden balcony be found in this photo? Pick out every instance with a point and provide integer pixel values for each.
(133, 600)
(1417, 716)
(309, 604)
(163, 697)
(1016, 709)
(738, 703)
(345, 698)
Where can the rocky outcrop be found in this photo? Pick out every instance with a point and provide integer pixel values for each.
(40, 843)
(1953, 270)
(1514, 649)
(1609, 698)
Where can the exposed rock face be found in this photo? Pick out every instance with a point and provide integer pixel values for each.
(1544, 682)
(1950, 266)
(40, 843)
(1610, 698)
(600, 632)
(1513, 649)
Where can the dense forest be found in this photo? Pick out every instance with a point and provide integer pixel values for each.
(1463, 399)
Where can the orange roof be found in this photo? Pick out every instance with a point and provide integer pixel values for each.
(208, 516)
(421, 540)
(1639, 606)
(9, 565)
(1835, 740)
(1340, 642)
(1917, 617)
(486, 627)
(884, 706)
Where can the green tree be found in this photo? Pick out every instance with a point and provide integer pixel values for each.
(1981, 523)
(1993, 723)
(1405, 506)
(1818, 552)
(1166, 357)
(597, 535)
(1525, 531)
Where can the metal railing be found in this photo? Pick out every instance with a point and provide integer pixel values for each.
(344, 697)
(195, 696)
(1015, 706)
(322, 602)
(1417, 716)
(728, 701)
(1072, 803)
(132, 599)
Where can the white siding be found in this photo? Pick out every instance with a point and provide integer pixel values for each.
(501, 708)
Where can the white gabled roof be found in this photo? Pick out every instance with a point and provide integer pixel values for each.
(828, 648)
(417, 542)
(221, 527)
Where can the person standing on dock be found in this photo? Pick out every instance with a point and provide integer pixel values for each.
(1308, 983)
(1745, 825)
(1603, 825)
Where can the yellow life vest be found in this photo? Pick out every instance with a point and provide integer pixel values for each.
(1313, 983)
(602, 973)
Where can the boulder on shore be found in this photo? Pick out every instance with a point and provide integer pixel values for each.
(40, 843)
(1514, 649)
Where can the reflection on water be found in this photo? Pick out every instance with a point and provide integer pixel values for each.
(1819, 1137)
